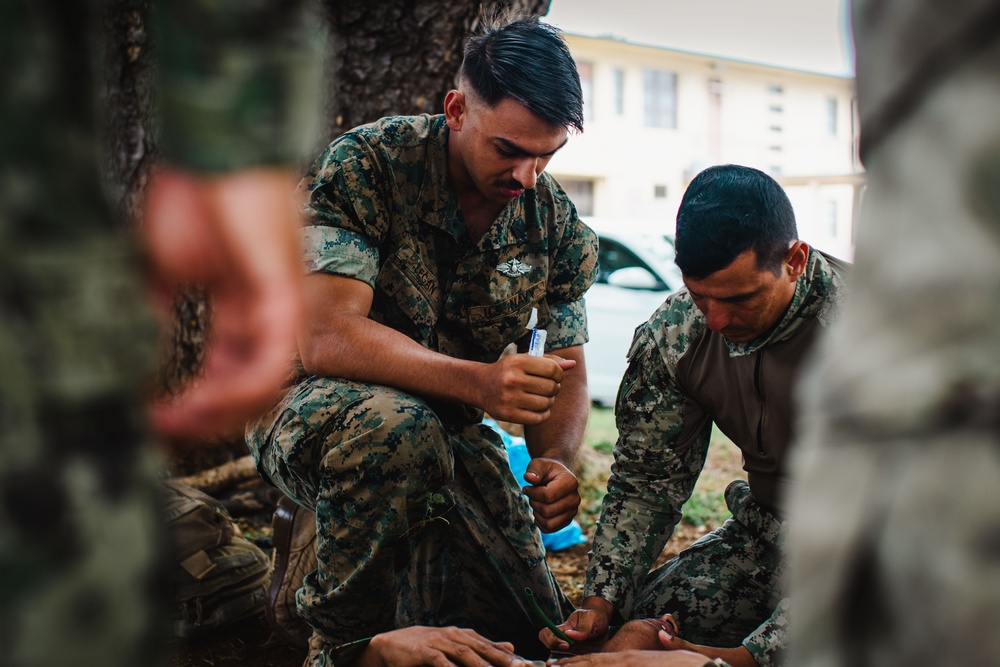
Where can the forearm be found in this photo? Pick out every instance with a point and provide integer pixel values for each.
(356, 348)
(658, 458)
(560, 436)
(636, 520)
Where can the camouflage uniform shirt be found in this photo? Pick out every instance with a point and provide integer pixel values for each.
(665, 411)
(381, 210)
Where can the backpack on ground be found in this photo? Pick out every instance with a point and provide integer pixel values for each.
(218, 577)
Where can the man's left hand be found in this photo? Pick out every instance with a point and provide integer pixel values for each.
(554, 493)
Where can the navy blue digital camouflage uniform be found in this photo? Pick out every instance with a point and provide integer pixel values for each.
(726, 589)
(419, 519)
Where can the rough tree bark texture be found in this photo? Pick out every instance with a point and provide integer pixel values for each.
(401, 57)
(390, 57)
(125, 105)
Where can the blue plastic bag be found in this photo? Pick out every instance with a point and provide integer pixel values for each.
(517, 452)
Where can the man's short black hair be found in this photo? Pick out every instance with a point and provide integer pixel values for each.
(527, 61)
(728, 210)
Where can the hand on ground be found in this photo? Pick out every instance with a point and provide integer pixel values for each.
(583, 625)
(437, 647)
(638, 659)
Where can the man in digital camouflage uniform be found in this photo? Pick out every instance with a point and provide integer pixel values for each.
(726, 349)
(430, 241)
(895, 556)
(78, 518)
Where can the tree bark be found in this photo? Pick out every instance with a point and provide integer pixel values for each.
(401, 57)
(126, 104)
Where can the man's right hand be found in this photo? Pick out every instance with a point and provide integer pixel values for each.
(418, 645)
(588, 623)
(520, 388)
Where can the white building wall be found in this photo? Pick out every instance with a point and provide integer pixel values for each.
(727, 111)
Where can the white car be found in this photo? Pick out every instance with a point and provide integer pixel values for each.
(636, 274)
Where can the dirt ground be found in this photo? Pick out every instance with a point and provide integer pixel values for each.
(251, 644)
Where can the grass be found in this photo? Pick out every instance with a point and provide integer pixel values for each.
(705, 508)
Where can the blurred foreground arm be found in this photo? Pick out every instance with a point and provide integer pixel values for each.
(238, 97)
(236, 236)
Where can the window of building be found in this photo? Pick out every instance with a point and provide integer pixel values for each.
(831, 116)
(776, 148)
(775, 170)
(661, 98)
(619, 83)
(777, 128)
(832, 215)
(775, 88)
(659, 192)
(581, 192)
(586, 71)
(776, 108)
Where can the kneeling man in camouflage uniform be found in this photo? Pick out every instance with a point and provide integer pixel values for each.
(430, 240)
(727, 349)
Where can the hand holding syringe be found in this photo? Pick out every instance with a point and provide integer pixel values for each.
(521, 388)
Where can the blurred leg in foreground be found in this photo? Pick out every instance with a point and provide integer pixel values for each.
(896, 545)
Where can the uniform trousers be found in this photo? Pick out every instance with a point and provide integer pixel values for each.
(419, 520)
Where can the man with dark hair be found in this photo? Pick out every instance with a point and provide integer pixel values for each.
(495, 63)
(725, 350)
(727, 210)
(431, 240)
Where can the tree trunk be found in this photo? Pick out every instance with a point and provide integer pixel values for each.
(129, 154)
(401, 57)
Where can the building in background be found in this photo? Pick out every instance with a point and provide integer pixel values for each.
(655, 117)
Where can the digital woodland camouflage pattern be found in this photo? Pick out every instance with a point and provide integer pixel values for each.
(79, 531)
(420, 520)
(655, 470)
(895, 559)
